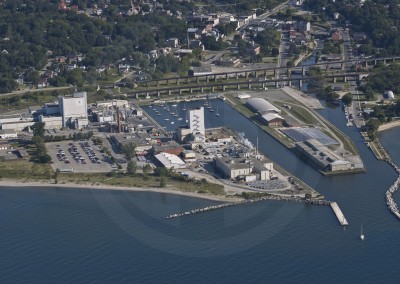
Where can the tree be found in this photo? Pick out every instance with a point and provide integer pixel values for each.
(163, 181)
(129, 150)
(308, 195)
(146, 169)
(131, 168)
(347, 99)
(38, 129)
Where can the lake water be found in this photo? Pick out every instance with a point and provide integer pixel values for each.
(99, 236)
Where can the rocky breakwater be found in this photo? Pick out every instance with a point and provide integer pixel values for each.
(391, 203)
(249, 201)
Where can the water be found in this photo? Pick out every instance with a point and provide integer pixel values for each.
(88, 236)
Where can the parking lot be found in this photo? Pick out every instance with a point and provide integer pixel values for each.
(81, 156)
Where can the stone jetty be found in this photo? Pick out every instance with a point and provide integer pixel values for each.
(392, 205)
(249, 201)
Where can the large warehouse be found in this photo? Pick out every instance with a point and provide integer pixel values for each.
(261, 106)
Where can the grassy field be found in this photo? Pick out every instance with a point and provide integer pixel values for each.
(141, 181)
(24, 170)
(303, 115)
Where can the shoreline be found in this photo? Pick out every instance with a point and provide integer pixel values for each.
(32, 184)
(388, 125)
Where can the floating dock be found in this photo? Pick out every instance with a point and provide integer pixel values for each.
(339, 214)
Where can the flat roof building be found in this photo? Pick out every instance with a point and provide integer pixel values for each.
(8, 133)
(323, 157)
(170, 161)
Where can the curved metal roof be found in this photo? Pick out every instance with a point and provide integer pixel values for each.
(260, 105)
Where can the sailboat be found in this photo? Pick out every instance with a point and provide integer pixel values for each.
(362, 237)
(217, 114)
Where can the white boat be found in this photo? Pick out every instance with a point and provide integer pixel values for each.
(166, 118)
(180, 118)
(362, 237)
(174, 105)
(217, 114)
(172, 122)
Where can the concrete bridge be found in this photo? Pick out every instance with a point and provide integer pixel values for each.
(246, 84)
(258, 73)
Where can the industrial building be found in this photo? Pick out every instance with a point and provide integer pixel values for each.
(73, 110)
(66, 112)
(322, 157)
(170, 161)
(261, 106)
(272, 119)
(246, 168)
(7, 134)
(17, 122)
(196, 129)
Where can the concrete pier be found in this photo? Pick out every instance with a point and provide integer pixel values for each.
(339, 214)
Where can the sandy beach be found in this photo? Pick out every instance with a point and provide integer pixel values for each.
(389, 125)
(12, 183)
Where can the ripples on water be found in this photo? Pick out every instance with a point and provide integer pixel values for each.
(88, 236)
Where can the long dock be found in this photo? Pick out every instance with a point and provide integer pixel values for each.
(339, 214)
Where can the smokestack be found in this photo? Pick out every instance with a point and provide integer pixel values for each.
(119, 120)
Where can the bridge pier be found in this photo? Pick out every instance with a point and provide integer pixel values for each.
(137, 96)
(180, 91)
(237, 87)
(158, 93)
(202, 89)
(169, 92)
(226, 77)
(207, 79)
(334, 79)
(158, 83)
(303, 71)
(212, 89)
(249, 86)
(265, 73)
(344, 79)
(342, 66)
(289, 83)
(191, 90)
(276, 84)
(187, 80)
(300, 84)
(167, 82)
(197, 80)
(177, 81)
(223, 87)
(237, 76)
(246, 74)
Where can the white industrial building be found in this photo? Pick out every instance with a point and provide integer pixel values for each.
(7, 134)
(73, 110)
(196, 121)
(248, 168)
(17, 122)
(261, 106)
(170, 161)
(68, 111)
